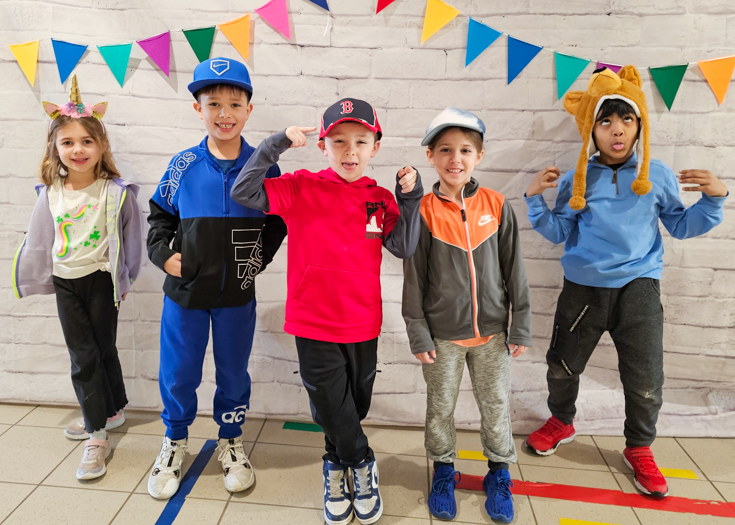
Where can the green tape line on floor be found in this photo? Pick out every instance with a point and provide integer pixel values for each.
(303, 427)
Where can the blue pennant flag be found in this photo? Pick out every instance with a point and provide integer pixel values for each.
(479, 38)
(68, 56)
(321, 3)
(520, 54)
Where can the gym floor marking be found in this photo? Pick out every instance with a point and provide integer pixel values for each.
(303, 427)
(567, 521)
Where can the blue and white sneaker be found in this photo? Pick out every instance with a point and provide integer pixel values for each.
(442, 503)
(368, 505)
(338, 509)
(499, 503)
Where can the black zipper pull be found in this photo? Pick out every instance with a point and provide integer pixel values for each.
(615, 181)
(464, 216)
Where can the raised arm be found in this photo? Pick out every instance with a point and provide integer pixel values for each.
(402, 239)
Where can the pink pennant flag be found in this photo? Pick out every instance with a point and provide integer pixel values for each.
(612, 67)
(159, 49)
(275, 13)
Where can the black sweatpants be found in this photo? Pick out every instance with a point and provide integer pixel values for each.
(88, 318)
(634, 317)
(339, 380)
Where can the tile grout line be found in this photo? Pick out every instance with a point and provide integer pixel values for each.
(614, 476)
(530, 502)
(36, 485)
(700, 469)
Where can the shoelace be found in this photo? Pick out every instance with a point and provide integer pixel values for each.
(90, 452)
(646, 463)
(551, 427)
(441, 485)
(334, 485)
(232, 449)
(168, 454)
(504, 486)
(363, 482)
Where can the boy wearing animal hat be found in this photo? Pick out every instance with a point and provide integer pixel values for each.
(607, 212)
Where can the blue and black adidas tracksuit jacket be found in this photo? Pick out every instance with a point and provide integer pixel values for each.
(223, 245)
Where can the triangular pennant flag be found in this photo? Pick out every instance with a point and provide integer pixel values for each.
(479, 38)
(382, 4)
(718, 73)
(275, 13)
(238, 33)
(68, 56)
(158, 49)
(201, 40)
(568, 69)
(438, 14)
(321, 3)
(612, 67)
(117, 56)
(667, 80)
(520, 54)
(27, 57)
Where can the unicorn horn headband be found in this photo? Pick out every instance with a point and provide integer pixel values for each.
(75, 108)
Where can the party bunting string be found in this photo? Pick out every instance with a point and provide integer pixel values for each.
(718, 72)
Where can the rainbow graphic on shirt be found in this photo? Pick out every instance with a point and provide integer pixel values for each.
(63, 250)
(78, 215)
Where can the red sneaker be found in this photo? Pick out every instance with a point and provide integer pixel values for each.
(648, 478)
(546, 439)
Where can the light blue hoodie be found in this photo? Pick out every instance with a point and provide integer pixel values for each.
(615, 238)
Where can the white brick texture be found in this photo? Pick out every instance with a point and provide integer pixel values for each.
(380, 58)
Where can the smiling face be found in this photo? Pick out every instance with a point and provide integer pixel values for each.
(77, 149)
(454, 156)
(224, 112)
(349, 146)
(615, 135)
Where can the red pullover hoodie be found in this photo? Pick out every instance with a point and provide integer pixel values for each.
(336, 231)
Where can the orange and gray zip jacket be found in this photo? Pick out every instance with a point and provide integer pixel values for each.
(467, 272)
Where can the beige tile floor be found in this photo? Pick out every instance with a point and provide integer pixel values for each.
(38, 487)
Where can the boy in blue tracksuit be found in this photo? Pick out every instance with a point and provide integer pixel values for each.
(219, 246)
(607, 213)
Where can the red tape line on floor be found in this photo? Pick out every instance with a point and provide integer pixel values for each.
(609, 497)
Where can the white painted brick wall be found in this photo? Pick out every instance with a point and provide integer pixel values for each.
(380, 58)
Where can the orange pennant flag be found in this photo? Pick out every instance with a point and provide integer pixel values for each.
(27, 57)
(238, 33)
(718, 73)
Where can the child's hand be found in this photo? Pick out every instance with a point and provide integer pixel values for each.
(125, 295)
(426, 357)
(517, 350)
(708, 183)
(173, 265)
(297, 135)
(407, 180)
(544, 179)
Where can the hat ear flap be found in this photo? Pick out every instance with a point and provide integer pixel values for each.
(630, 73)
(579, 186)
(641, 185)
(99, 110)
(572, 101)
(52, 110)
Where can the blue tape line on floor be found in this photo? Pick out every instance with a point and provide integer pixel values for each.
(174, 505)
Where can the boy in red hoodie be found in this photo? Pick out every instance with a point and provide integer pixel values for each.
(338, 221)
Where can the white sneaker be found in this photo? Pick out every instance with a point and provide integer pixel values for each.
(367, 501)
(236, 468)
(92, 465)
(78, 432)
(166, 474)
(338, 509)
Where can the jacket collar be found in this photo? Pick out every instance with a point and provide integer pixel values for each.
(632, 161)
(469, 190)
(245, 152)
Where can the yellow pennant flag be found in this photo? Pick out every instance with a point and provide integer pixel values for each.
(238, 33)
(27, 57)
(438, 14)
(718, 73)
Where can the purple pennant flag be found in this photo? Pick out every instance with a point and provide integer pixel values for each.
(612, 67)
(159, 49)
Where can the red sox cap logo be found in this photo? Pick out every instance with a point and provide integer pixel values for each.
(346, 107)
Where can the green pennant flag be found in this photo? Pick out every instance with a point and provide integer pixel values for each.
(568, 69)
(201, 41)
(667, 80)
(117, 57)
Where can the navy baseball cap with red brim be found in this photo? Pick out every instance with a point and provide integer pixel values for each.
(350, 110)
(221, 71)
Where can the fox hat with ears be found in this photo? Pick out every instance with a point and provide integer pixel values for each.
(585, 105)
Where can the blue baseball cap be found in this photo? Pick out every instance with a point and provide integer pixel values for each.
(451, 118)
(221, 71)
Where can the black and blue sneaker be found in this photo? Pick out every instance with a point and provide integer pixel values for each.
(442, 504)
(338, 507)
(499, 503)
(367, 502)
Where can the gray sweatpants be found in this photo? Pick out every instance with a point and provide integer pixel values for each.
(489, 367)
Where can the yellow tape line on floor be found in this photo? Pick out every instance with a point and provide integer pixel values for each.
(471, 454)
(678, 473)
(566, 521)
